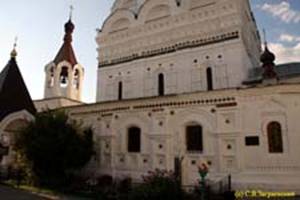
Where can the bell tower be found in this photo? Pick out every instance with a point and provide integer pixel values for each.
(64, 75)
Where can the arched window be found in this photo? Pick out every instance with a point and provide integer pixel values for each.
(51, 79)
(275, 137)
(134, 140)
(161, 85)
(194, 140)
(64, 74)
(120, 91)
(209, 79)
(76, 79)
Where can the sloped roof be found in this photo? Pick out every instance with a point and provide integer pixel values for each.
(288, 70)
(66, 52)
(14, 95)
(283, 71)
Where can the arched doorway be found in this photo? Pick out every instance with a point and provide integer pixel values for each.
(10, 126)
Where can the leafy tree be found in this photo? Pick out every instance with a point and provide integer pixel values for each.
(159, 185)
(53, 148)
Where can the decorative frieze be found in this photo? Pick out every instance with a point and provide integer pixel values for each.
(172, 48)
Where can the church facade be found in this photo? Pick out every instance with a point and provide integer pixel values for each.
(187, 80)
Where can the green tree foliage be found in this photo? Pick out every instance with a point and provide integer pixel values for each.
(53, 148)
(159, 185)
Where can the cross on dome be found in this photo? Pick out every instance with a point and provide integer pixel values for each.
(14, 53)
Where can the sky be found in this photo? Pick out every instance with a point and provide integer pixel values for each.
(38, 25)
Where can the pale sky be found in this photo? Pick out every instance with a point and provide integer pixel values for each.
(38, 24)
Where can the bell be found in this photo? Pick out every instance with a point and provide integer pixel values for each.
(64, 80)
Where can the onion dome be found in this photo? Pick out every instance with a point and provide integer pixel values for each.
(267, 57)
(13, 53)
(66, 52)
(69, 27)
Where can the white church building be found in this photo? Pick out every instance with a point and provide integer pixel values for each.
(183, 79)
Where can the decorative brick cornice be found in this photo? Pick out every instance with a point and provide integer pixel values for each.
(170, 49)
(155, 107)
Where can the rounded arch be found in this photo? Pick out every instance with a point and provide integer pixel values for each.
(281, 119)
(155, 9)
(11, 125)
(64, 73)
(194, 4)
(79, 68)
(185, 4)
(115, 19)
(125, 122)
(158, 11)
(274, 135)
(50, 71)
(196, 116)
(23, 115)
(120, 24)
(78, 73)
(49, 66)
(64, 64)
(192, 116)
(192, 123)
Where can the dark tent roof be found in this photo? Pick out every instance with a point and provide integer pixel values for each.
(66, 52)
(14, 95)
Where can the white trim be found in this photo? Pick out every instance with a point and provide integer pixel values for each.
(23, 114)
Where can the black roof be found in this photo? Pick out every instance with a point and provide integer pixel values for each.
(288, 70)
(14, 95)
(283, 71)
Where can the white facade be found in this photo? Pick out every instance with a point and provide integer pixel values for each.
(68, 85)
(64, 77)
(227, 118)
(139, 41)
(180, 40)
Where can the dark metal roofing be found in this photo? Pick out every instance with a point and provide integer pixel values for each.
(66, 52)
(288, 69)
(14, 95)
(283, 71)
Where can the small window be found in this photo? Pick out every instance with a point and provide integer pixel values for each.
(76, 79)
(134, 140)
(51, 79)
(161, 85)
(209, 79)
(120, 91)
(275, 137)
(252, 141)
(64, 74)
(194, 140)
